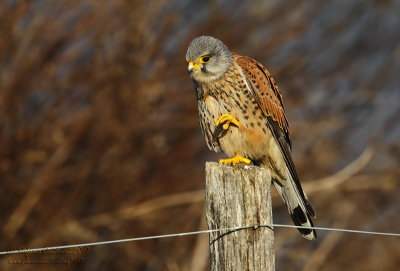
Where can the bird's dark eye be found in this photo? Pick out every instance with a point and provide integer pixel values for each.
(205, 59)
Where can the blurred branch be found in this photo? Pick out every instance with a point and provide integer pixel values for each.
(326, 183)
(341, 176)
(368, 182)
(147, 207)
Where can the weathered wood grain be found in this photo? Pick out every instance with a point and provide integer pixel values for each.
(239, 196)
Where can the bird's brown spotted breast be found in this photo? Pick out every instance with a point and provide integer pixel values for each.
(231, 94)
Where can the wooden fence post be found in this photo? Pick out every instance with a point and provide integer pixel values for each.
(239, 196)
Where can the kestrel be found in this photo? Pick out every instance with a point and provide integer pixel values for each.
(241, 114)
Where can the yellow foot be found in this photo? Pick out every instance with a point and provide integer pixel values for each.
(226, 120)
(235, 160)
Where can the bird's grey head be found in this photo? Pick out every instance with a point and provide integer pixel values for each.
(208, 59)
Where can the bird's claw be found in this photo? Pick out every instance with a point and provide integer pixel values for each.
(235, 160)
(226, 120)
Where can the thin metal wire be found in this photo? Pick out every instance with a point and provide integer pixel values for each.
(31, 250)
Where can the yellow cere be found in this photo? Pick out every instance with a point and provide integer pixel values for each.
(193, 66)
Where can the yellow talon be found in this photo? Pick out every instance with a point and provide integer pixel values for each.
(235, 160)
(226, 119)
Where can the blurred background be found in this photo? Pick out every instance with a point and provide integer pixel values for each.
(100, 137)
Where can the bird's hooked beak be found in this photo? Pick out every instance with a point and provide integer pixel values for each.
(193, 66)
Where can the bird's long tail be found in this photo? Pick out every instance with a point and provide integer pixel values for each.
(299, 206)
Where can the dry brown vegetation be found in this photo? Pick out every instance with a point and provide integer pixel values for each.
(100, 137)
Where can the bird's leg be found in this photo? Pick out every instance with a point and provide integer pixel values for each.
(226, 120)
(235, 160)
